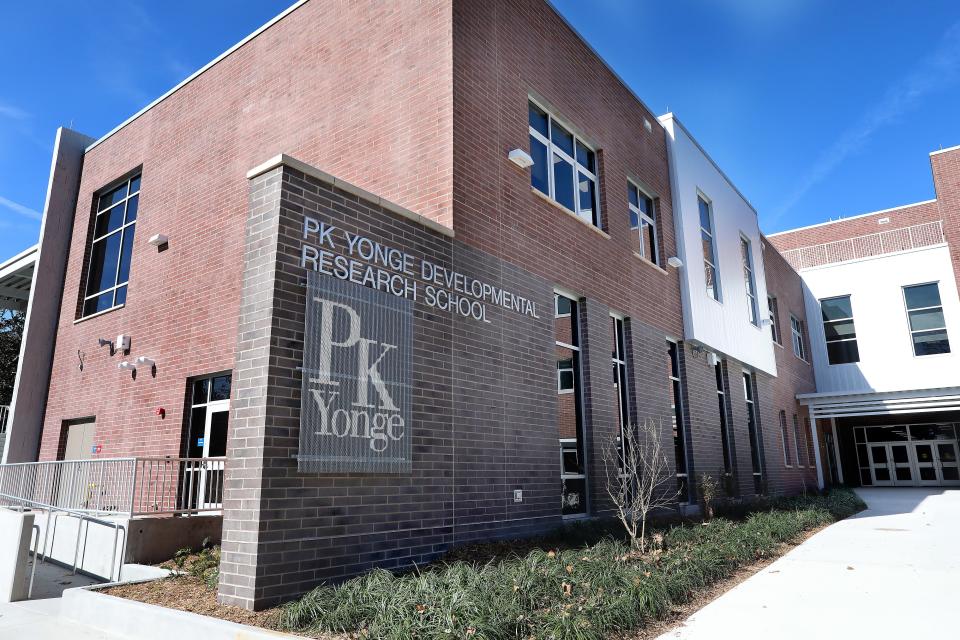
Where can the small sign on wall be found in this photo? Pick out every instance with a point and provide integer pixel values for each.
(97, 448)
(356, 403)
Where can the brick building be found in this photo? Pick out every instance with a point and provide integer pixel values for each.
(396, 274)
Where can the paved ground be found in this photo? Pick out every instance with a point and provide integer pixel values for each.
(889, 572)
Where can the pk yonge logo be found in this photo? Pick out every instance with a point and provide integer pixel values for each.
(360, 260)
(356, 397)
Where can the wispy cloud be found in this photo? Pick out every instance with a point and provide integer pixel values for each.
(20, 209)
(12, 112)
(936, 71)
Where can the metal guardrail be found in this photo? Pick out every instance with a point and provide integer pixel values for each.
(874, 244)
(130, 486)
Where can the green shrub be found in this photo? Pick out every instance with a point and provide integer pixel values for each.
(576, 593)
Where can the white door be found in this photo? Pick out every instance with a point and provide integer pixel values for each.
(946, 454)
(880, 465)
(925, 456)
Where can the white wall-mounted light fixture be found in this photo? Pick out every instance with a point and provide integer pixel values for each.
(158, 240)
(520, 158)
(766, 322)
(712, 359)
(122, 343)
(675, 262)
(126, 366)
(144, 361)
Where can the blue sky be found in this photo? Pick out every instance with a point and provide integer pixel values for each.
(815, 108)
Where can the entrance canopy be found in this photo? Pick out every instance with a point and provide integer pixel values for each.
(842, 405)
(16, 278)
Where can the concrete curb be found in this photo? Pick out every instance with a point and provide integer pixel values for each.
(141, 621)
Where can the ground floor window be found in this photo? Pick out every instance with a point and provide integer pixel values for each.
(573, 478)
(679, 438)
(752, 428)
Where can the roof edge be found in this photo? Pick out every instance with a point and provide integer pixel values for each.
(859, 215)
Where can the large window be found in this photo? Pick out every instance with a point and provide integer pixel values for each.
(928, 328)
(746, 257)
(784, 439)
(679, 439)
(564, 168)
(573, 479)
(838, 329)
(774, 319)
(643, 222)
(753, 431)
(710, 272)
(796, 334)
(618, 354)
(722, 404)
(112, 246)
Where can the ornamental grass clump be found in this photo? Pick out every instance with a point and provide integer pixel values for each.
(582, 593)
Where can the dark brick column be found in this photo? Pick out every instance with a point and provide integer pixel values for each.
(599, 401)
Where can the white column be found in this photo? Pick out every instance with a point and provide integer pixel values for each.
(836, 449)
(816, 451)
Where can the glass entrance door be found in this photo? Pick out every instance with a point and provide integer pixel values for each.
(946, 456)
(880, 465)
(899, 455)
(926, 463)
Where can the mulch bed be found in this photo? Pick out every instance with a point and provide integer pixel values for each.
(188, 593)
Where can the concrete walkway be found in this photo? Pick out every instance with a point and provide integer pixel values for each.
(892, 571)
(40, 620)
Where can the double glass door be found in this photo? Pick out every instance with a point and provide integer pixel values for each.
(914, 464)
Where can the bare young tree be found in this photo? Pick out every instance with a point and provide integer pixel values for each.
(639, 478)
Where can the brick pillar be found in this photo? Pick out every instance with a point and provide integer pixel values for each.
(599, 402)
(243, 477)
(946, 181)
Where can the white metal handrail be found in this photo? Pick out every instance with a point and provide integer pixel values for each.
(4, 416)
(873, 244)
(131, 486)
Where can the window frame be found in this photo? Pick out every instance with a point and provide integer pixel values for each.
(801, 462)
(773, 309)
(750, 280)
(796, 337)
(828, 341)
(681, 451)
(912, 332)
(728, 454)
(126, 226)
(753, 431)
(643, 218)
(713, 261)
(577, 167)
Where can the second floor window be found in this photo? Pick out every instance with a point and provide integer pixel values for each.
(746, 256)
(839, 331)
(774, 319)
(710, 272)
(643, 222)
(112, 246)
(564, 168)
(796, 334)
(928, 328)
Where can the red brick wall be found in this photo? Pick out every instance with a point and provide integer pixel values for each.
(505, 51)
(793, 376)
(361, 90)
(854, 227)
(946, 181)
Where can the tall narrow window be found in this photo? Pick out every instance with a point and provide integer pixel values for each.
(564, 168)
(679, 439)
(746, 257)
(774, 319)
(710, 272)
(753, 431)
(722, 404)
(112, 246)
(839, 331)
(796, 333)
(572, 473)
(797, 441)
(784, 440)
(928, 328)
(643, 222)
(618, 354)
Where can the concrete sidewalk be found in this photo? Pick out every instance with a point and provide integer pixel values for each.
(889, 572)
(40, 620)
